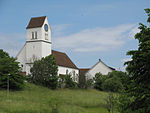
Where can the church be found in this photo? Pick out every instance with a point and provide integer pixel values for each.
(38, 44)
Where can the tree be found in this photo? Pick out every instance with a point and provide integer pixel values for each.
(10, 72)
(139, 70)
(110, 102)
(121, 76)
(99, 79)
(112, 84)
(44, 72)
(114, 81)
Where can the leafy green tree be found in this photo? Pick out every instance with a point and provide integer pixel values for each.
(112, 84)
(110, 100)
(114, 81)
(44, 72)
(122, 77)
(10, 72)
(138, 92)
(99, 79)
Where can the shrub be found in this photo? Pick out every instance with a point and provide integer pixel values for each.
(10, 72)
(89, 83)
(122, 76)
(44, 72)
(112, 84)
(82, 82)
(69, 83)
(99, 79)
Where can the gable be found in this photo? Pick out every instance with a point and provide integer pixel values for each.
(36, 22)
(99, 67)
(63, 60)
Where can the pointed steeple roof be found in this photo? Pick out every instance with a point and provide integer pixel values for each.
(36, 22)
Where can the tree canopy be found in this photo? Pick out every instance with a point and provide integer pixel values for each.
(139, 71)
(44, 72)
(10, 72)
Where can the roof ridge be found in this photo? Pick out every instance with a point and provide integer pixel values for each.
(58, 51)
(39, 17)
(36, 22)
(62, 59)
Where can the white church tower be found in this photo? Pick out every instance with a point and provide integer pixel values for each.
(38, 43)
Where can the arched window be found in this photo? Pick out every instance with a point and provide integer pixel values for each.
(74, 75)
(67, 72)
(32, 35)
(35, 34)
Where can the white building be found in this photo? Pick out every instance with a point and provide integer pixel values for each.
(38, 45)
(98, 67)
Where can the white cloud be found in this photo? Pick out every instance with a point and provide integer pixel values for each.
(96, 39)
(58, 30)
(12, 43)
(88, 40)
(134, 31)
(125, 60)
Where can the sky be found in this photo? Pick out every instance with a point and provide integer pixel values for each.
(86, 30)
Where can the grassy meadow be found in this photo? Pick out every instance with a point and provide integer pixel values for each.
(38, 99)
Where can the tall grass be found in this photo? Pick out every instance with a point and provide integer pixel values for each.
(37, 99)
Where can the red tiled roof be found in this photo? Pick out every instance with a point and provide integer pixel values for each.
(112, 68)
(23, 73)
(36, 22)
(82, 71)
(63, 60)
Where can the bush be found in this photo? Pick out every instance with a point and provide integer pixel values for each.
(82, 82)
(69, 83)
(10, 70)
(89, 83)
(99, 79)
(112, 84)
(44, 72)
(122, 76)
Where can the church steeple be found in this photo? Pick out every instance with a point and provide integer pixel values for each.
(38, 43)
(38, 29)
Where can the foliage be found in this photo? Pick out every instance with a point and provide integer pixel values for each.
(123, 101)
(82, 82)
(44, 72)
(110, 100)
(121, 76)
(99, 79)
(61, 81)
(10, 72)
(89, 83)
(112, 84)
(115, 81)
(139, 70)
(69, 83)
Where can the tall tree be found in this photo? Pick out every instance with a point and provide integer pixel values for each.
(44, 72)
(139, 70)
(10, 72)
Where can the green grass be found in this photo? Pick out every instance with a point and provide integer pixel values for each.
(37, 99)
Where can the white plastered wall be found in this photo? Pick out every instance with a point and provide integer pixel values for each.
(21, 57)
(99, 67)
(63, 70)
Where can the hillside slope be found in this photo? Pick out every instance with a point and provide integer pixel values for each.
(37, 99)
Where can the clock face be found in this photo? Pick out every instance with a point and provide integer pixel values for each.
(46, 27)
